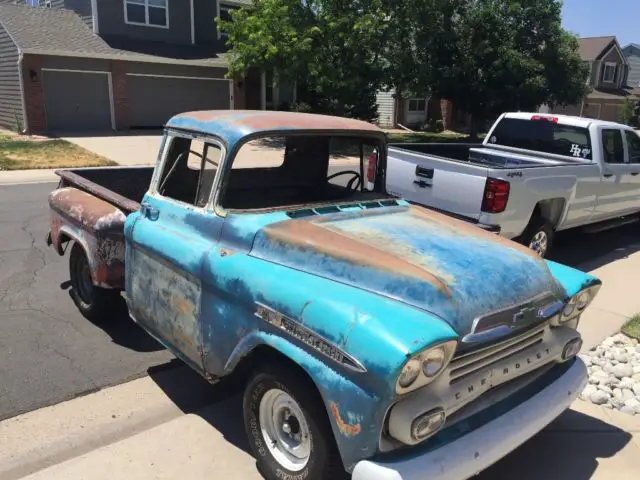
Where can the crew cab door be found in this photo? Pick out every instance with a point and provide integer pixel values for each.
(632, 140)
(616, 190)
(169, 241)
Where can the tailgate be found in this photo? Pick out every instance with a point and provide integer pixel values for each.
(437, 182)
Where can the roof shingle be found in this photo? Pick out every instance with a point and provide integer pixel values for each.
(52, 31)
(591, 47)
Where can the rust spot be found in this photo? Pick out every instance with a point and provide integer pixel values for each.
(181, 306)
(86, 209)
(313, 237)
(465, 228)
(267, 120)
(226, 252)
(347, 429)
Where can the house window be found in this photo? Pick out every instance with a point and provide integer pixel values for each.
(153, 13)
(609, 74)
(417, 105)
(224, 15)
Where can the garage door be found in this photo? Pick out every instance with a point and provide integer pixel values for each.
(77, 101)
(153, 100)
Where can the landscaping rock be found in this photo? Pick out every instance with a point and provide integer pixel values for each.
(614, 374)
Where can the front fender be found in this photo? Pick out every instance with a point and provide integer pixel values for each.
(355, 415)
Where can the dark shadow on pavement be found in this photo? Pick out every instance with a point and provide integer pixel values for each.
(590, 251)
(122, 330)
(220, 404)
(568, 449)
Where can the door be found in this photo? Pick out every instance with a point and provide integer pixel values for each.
(77, 101)
(615, 191)
(153, 99)
(633, 148)
(170, 239)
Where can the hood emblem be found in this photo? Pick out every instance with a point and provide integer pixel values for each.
(501, 323)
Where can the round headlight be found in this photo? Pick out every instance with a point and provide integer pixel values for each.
(433, 362)
(582, 300)
(409, 373)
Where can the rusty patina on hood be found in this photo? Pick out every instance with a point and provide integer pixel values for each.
(419, 257)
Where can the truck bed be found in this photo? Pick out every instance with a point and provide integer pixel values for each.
(123, 187)
(482, 156)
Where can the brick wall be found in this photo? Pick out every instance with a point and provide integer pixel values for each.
(34, 94)
(120, 94)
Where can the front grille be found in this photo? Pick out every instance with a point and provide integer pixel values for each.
(469, 363)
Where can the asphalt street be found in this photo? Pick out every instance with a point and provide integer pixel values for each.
(50, 353)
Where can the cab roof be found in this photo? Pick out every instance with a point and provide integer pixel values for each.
(238, 123)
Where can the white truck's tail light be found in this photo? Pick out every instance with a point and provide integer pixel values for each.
(496, 195)
(371, 167)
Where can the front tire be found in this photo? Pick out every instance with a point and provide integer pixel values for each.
(539, 236)
(287, 427)
(93, 302)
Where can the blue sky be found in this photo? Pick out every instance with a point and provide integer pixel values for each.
(595, 18)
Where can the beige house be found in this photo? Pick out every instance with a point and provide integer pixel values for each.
(608, 78)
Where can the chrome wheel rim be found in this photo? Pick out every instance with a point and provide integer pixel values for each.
(539, 243)
(285, 430)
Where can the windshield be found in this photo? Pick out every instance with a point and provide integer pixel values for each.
(289, 171)
(543, 136)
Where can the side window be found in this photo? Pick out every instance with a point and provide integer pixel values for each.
(189, 170)
(633, 142)
(612, 147)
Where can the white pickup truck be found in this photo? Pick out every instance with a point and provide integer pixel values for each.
(534, 174)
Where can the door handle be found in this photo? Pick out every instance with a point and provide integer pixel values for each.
(634, 173)
(607, 175)
(147, 211)
(422, 184)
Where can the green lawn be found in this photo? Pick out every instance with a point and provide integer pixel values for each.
(632, 327)
(427, 137)
(20, 153)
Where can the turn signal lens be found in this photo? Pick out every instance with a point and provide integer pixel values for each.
(427, 424)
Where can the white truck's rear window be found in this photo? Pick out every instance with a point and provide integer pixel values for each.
(543, 136)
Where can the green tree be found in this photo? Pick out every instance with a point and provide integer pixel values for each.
(489, 56)
(627, 111)
(327, 45)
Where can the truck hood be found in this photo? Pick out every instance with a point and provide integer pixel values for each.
(413, 255)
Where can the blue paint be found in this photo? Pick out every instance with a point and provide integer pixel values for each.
(379, 316)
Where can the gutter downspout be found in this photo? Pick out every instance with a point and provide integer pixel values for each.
(193, 22)
(25, 121)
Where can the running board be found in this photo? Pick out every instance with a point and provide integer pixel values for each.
(609, 224)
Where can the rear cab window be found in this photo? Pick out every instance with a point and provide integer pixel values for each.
(543, 136)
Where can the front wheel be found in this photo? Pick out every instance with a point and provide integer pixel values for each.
(538, 236)
(287, 427)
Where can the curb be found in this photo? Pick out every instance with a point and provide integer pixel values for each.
(20, 177)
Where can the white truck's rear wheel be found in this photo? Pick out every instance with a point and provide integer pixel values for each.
(538, 236)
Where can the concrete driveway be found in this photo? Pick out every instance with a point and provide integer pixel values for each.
(125, 148)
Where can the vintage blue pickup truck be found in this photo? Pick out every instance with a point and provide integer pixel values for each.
(378, 339)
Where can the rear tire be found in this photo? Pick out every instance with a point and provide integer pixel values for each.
(288, 428)
(94, 303)
(538, 236)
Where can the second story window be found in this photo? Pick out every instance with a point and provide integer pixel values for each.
(609, 74)
(154, 13)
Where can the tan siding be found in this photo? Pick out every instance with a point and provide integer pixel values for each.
(11, 112)
(386, 108)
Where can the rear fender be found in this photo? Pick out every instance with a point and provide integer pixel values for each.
(94, 224)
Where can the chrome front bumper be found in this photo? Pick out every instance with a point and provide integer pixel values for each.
(471, 453)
